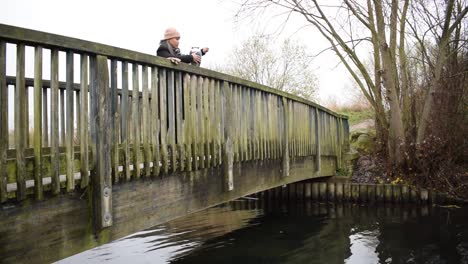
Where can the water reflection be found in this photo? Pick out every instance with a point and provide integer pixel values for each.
(255, 231)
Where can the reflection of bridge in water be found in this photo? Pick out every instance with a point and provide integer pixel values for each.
(122, 141)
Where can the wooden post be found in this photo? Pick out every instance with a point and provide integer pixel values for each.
(3, 123)
(54, 124)
(285, 161)
(101, 180)
(155, 126)
(38, 189)
(228, 148)
(69, 124)
(84, 169)
(125, 122)
(317, 142)
(136, 121)
(20, 123)
(114, 122)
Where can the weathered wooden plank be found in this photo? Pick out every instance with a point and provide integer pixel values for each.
(125, 122)
(54, 122)
(62, 118)
(248, 123)
(101, 173)
(206, 123)
(155, 125)
(145, 126)
(331, 188)
(211, 124)
(171, 120)
(3, 123)
(20, 122)
(187, 122)
(114, 122)
(69, 123)
(323, 191)
(228, 151)
(193, 121)
(84, 158)
(285, 150)
(318, 153)
(163, 117)
(179, 121)
(219, 122)
(200, 124)
(38, 189)
(45, 119)
(136, 121)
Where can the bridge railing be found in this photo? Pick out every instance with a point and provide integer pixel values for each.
(75, 114)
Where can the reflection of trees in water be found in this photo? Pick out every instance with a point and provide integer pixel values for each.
(320, 233)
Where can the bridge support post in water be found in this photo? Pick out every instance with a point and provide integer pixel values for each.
(101, 180)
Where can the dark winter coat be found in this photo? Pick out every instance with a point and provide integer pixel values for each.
(166, 50)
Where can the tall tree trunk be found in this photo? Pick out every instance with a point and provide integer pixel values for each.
(396, 143)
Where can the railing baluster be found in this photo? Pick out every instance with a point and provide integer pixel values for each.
(114, 121)
(136, 121)
(20, 123)
(155, 125)
(38, 189)
(206, 123)
(69, 124)
(179, 120)
(146, 123)
(200, 124)
(193, 120)
(54, 126)
(212, 123)
(218, 122)
(45, 119)
(163, 116)
(3, 123)
(171, 120)
(187, 123)
(84, 168)
(125, 122)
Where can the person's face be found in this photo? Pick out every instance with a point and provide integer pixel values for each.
(174, 42)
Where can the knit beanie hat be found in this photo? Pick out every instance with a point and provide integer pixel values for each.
(171, 33)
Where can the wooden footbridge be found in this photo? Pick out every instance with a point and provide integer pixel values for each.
(97, 142)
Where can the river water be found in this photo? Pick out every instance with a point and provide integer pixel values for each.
(253, 231)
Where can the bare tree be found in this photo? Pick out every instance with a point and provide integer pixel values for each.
(381, 27)
(286, 68)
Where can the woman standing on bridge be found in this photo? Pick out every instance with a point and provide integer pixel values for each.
(169, 48)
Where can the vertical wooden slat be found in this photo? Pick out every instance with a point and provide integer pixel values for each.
(114, 121)
(228, 151)
(45, 121)
(101, 173)
(38, 189)
(69, 125)
(187, 123)
(62, 117)
(84, 168)
(178, 122)
(20, 123)
(155, 119)
(200, 124)
(285, 162)
(54, 122)
(206, 122)
(193, 121)
(218, 122)
(125, 122)
(318, 163)
(212, 123)
(136, 121)
(146, 123)
(171, 119)
(163, 117)
(3, 123)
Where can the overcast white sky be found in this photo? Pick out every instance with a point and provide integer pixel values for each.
(139, 25)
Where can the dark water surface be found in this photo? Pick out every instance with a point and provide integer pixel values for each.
(249, 231)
